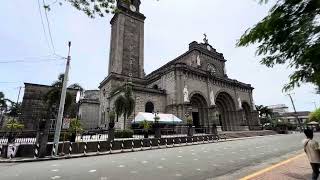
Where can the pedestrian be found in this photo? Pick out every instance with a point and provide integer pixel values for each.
(311, 147)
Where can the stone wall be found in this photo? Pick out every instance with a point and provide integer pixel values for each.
(33, 106)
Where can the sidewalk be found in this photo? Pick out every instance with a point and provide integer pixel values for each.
(294, 168)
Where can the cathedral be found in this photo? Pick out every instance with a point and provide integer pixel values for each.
(195, 83)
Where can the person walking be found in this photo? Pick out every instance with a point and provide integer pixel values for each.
(311, 148)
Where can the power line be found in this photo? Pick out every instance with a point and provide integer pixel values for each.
(49, 30)
(43, 27)
(29, 61)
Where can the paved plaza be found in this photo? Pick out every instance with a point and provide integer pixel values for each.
(207, 161)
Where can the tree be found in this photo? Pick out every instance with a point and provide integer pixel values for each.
(52, 98)
(290, 34)
(315, 115)
(124, 104)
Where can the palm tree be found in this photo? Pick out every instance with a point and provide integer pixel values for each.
(52, 98)
(124, 104)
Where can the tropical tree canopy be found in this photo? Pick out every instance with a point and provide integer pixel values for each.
(290, 34)
(315, 115)
(52, 98)
(125, 103)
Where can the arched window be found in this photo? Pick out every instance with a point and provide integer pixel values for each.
(149, 107)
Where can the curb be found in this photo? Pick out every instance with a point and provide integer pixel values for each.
(25, 160)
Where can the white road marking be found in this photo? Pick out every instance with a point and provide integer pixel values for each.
(163, 159)
(195, 159)
(159, 167)
(179, 156)
(198, 169)
(178, 175)
(121, 166)
(55, 170)
(56, 177)
(92, 171)
(133, 172)
(144, 162)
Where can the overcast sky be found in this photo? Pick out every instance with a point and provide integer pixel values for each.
(170, 26)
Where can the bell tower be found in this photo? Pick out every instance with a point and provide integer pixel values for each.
(127, 40)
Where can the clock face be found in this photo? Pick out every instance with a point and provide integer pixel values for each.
(133, 8)
(209, 48)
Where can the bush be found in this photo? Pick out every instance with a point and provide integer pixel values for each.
(123, 134)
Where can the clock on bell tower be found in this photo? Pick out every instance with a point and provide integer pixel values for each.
(127, 40)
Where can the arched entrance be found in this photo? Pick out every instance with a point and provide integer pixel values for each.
(149, 108)
(199, 110)
(226, 110)
(246, 113)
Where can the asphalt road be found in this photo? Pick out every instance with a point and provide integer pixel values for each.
(207, 161)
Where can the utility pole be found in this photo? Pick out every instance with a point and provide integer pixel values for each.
(19, 94)
(295, 112)
(62, 102)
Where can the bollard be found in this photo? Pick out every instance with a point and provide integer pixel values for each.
(202, 139)
(166, 142)
(150, 143)
(159, 144)
(192, 140)
(70, 148)
(36, 151)
(99, 147)
(197, 139)
(208, 140)
(141, 143)
(85, 148)
(110, 147)
(132, 146)
(0, 150)
(186, 141)
(122, 146)
(173, 141)
(179, 141)
(54, 149)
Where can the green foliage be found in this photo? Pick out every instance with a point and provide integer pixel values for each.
(75, 126)
(146, 125)
(13, 125)
(315, 116)
(52, 98)
(127, 133)
(189, 120)
(264, 111)
(290, 34)
(124, 104)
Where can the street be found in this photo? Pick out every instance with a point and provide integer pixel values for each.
(207, 161)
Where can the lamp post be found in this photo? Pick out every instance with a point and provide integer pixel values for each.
(157, 125)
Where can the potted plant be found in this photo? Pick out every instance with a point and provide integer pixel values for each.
(74, 129)
(112, 116)
(146, 126)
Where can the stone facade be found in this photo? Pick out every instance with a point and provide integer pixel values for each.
(89, 107)
(34, 108)
(194, 83)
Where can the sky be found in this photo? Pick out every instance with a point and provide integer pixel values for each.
(170, 26)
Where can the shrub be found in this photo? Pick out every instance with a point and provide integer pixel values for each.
(123, 134)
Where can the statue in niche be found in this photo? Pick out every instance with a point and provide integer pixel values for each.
(240, 104)
(212, 99)
(185, 94)
(198, 61)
